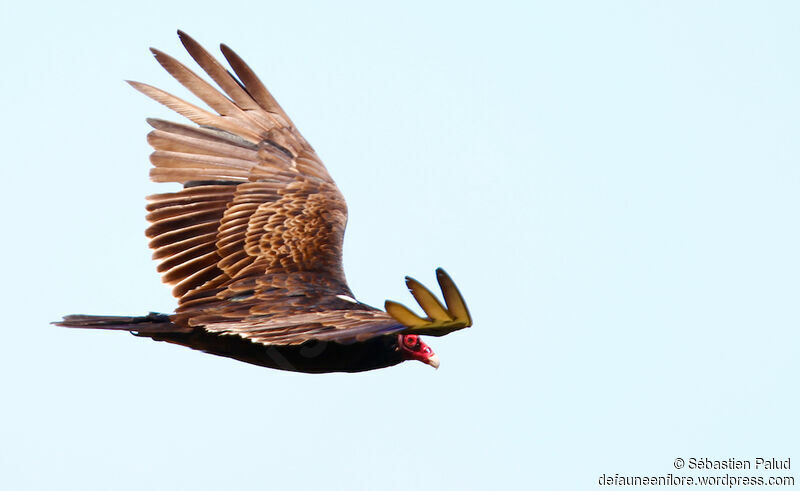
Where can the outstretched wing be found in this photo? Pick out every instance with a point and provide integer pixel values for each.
(253, 242)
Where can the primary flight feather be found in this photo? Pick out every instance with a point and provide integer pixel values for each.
(252, 244)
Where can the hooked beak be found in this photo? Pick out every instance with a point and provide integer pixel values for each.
(433, 361)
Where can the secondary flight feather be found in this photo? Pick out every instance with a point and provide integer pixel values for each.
(252, 244)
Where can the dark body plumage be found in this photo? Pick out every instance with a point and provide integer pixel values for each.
(309, 357)
(252, 244)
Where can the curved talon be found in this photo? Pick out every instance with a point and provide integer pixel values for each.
(440, 320)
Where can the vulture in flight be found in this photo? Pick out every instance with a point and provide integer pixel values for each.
(253, 241)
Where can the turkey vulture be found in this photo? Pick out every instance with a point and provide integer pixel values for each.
(253, 241)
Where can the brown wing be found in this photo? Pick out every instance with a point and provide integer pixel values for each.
(253, 243)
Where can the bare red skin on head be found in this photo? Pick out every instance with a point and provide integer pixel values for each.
(412, 348)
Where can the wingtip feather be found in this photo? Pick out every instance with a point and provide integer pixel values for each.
(428, 301)
(403, 314)
(452, 297)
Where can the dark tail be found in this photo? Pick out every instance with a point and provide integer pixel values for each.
(151, 323)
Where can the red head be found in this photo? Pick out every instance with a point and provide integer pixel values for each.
(412, 348)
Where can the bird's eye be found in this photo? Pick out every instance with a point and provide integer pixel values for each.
(411, 341)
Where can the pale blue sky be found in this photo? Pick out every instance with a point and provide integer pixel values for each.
(613, 186)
